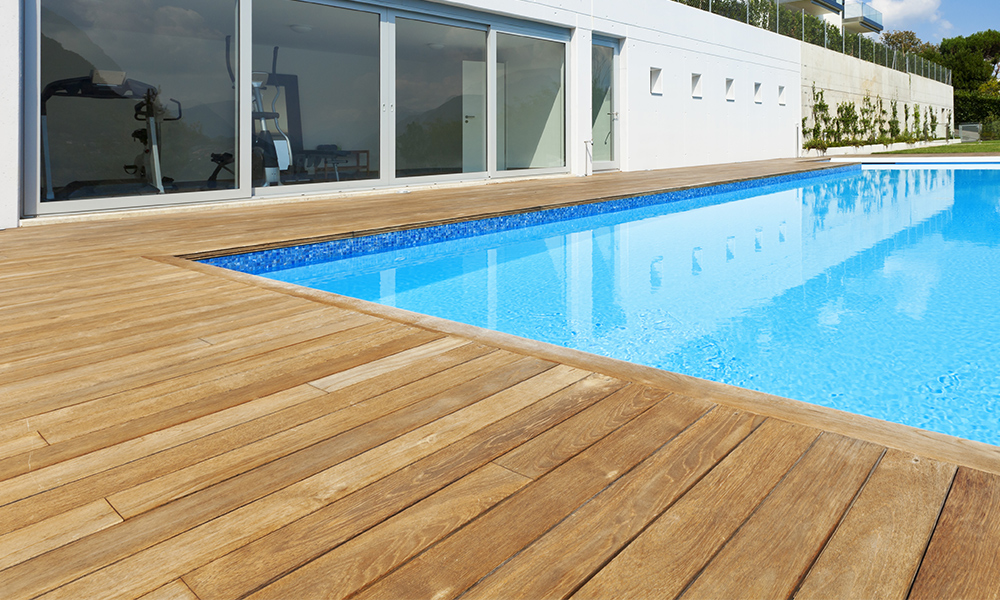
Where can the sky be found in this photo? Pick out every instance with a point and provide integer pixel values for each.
(933, 20)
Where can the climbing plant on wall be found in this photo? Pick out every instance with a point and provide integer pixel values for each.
(868, 124)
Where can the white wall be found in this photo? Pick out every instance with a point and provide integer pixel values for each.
(845, 78)
(673, 129)
(10, 114)
(670, 129)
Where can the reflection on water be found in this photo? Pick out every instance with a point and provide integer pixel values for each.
(875, 293)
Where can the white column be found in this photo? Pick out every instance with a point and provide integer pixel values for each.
(10, 113)
(580, 97)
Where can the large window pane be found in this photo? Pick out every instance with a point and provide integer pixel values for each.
(316, 93)
(440, 99)
(137, 98)
(531, 108)
(602, 106)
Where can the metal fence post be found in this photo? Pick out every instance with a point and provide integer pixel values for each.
(748, 11)
(803, 24)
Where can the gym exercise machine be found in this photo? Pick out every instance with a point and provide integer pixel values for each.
(112, 85)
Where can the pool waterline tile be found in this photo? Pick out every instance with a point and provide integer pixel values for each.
(265, 261)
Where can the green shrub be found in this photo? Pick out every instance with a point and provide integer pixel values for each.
(972, 107)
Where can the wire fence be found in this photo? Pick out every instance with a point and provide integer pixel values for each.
(798, 24)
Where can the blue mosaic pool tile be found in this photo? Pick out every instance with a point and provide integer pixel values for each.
(295, 256)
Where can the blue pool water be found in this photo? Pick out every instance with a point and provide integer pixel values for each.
(874, 291)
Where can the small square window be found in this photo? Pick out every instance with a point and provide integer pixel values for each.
(781, 95)
(731, 90)
(655, 81)
(758, 94)
(696, 85)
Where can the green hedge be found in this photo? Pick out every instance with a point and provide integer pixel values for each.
(971, 107)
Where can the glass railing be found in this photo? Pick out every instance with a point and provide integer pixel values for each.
(800, 25)
(858, 10)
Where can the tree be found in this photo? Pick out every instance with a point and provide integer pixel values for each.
(990, 89)
(906, 41)
(988, 43)
(965, 57)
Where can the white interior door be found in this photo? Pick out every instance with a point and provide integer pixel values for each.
(473, 116)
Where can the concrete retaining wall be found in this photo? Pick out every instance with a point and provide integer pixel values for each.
(845, 78)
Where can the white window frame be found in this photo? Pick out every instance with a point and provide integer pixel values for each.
(31, 202)
(388, 10)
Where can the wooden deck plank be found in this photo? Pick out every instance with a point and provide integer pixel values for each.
(458, 562)
(260, 562)
(179, 304)
(74, 296)
(963, 558)
(312, 423)
(160, 452)
(194, 441)
(31, 284)
(876, 550)
(661, 561)
(175, 590)
(95, 294)
(187, 400)
(74, 354)
(76, 420)
(567, 556)
(569, 438)
(166, 365)
(283, 476)
(770, 554)
(200, 475)
(142, 570)
(15, 440)
(385, 366)
(367, 557)
(139, 334)
(29, 542)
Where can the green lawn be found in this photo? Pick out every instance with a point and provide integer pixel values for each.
(968, 148)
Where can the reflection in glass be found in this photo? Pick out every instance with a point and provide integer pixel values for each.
(440, 99)
(531, 108)
(136, 97)
(315, 93)
(602, 106)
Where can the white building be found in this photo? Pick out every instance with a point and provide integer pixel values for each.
(126, 104)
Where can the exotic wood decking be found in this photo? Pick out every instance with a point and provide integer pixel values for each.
(170, 430)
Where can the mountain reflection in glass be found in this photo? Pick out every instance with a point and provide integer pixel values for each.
(137, 97)
(440, 99)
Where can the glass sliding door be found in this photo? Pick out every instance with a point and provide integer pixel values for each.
(603, 106)
(315, 93)
(531, 105)
(440, 99)
(136, 98)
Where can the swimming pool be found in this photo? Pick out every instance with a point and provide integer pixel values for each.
(873, 290)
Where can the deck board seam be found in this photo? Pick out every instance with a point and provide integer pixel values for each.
(583, 582)
(930, 536)
(840, 521)
(597, 493)
(749, 516)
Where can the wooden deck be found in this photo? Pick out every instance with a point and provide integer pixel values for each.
(171, 430)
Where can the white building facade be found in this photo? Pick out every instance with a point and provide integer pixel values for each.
(122, 104)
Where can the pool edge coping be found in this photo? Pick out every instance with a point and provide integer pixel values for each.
(921, 442)
(820, 166)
